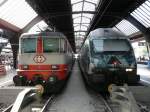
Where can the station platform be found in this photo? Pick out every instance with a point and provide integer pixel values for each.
(144, 72)
(10, 72)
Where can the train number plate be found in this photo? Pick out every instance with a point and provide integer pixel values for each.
(39, 59)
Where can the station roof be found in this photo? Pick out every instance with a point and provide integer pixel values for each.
(75, 18)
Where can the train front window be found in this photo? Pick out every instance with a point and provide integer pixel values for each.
(28, 45)
(100, 45)
(50, 45)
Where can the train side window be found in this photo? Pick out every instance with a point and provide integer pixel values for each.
(62, 46)
(68, 49)
(50, 45)
(28, 45)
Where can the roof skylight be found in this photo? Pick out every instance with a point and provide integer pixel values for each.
(126, 27)
(142, 14)
(77, 7)
(88, 7)
(17, 12)
(82, 20)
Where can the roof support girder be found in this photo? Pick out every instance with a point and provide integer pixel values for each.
(5, 25)
(142, 28)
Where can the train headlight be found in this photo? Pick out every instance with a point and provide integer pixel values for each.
(129, 70)
(55, 67)
(25, 67)
(91, 68)
(52, 79)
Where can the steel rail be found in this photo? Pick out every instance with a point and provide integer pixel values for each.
(106, 104)
(48, 102)
(8, 109)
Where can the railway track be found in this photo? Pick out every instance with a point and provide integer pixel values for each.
(43, 105)
(101, 104)
(22, 99)
(107, 107)
(31, 103)
(5, 107)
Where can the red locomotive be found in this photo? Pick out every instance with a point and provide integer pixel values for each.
(45, 59)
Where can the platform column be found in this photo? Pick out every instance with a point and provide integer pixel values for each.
(14, 41)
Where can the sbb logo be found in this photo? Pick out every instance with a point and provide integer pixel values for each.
(39, 59)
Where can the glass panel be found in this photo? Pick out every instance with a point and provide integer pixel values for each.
(85, 20)
(82, 33)
(17, 12)
(110, 45)
(77, 33)
(77, 28)
(88, 15)
(139, 19)
(77, 20)
(28, 45)
(76, 15)
(50, 45)
(93, 1)
(75, 25)
(142, 16)
(116, 45)
(77, 7)
(148, 3)
(126, 27)
(75, 1)
(84, 28)
(88, 7)
(85, 25)
(146, 7)
(63, 45)
(143, 13)
(144, 10)
(98, 45)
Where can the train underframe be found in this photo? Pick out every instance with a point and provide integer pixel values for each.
(52, 81)
(101, 80)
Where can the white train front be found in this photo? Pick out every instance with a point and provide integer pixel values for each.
(44, 58)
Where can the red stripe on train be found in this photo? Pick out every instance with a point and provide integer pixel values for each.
(44, 70)
(39, 45)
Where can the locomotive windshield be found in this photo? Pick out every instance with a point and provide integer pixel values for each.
(28, 45)
(100, 45)
(50, 45)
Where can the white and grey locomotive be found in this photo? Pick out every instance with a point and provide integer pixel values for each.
(44, 58)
